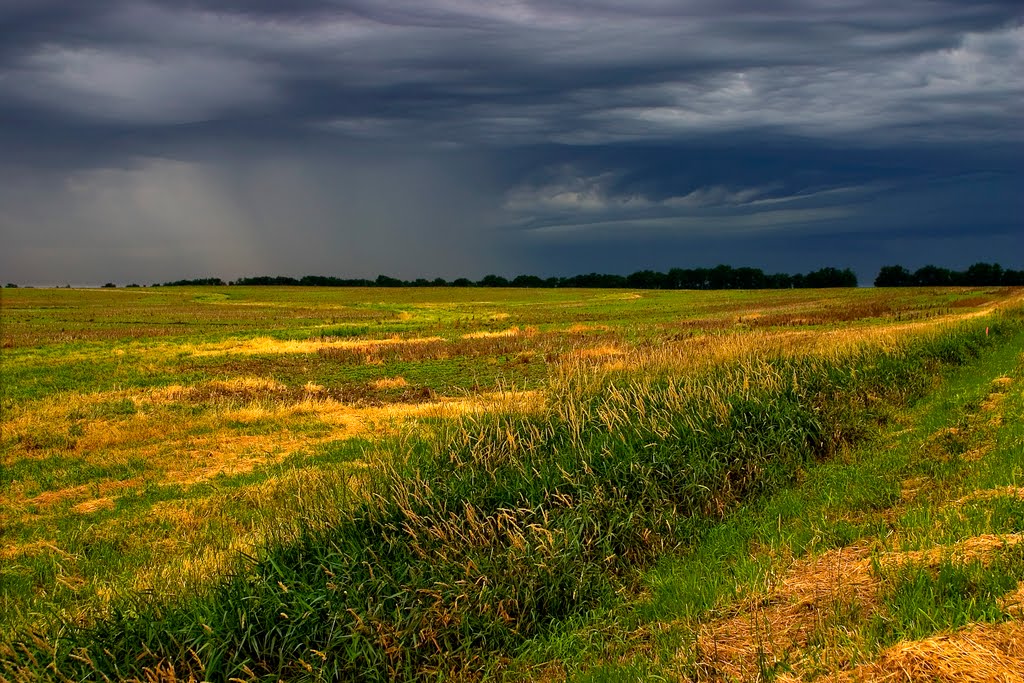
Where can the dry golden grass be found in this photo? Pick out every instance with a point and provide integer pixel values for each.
(84, 492)
(269, 346)
(196, 448)
(705, 350)
(389, 383)
(182, 447)
(1000, 389)
(207, 536)
(984, 653)
(1013, 602)
(603, 351)
(484, 334)
(202, 459)
(188, 560)
(766, 628)
(187, 449)
(94, 505)
(582, 328)
(988, 494)
(165, 674)
(799, 613)
(13, 551)
(981, 548)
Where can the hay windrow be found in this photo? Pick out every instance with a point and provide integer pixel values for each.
(771, 627)
(988, 653)
(267, 345)
(801, 608)
(489, 334)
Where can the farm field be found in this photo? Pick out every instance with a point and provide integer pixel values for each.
(374, 484)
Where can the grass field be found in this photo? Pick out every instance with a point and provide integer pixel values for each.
(370, 484)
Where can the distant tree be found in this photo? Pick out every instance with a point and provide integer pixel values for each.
(982, 274)
(894, 276)
(386, 281)
(647, 279)
(319, 281)
(109, 285)
(1013, 278)
(749, 278)
(687, 278)
(493, 281)
(831, 277)
(462, 282)
(527, 281)
(196, 282)
(674, 278)
(134, 284)
(600, 280)
(266, 281)
(933, 276)
(720, 277)
(11, 285)
(978, 275)
(438, 282)
(779, 281)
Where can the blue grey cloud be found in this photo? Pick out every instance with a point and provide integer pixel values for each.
(491, 135)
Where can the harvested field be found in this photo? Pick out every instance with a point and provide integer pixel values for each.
(463, 484)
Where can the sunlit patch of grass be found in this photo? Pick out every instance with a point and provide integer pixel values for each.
(389, 383)
(581, 328)
(267, 345)
(487, 334)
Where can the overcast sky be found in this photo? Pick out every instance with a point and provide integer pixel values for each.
(145, 141)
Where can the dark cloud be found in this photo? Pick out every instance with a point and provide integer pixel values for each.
(451, 136)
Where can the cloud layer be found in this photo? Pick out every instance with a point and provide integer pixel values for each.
(491, 135)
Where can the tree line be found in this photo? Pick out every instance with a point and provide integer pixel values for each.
(978, 275)
(719, 277)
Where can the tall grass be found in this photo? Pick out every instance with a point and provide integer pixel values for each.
(923, 600)
(470, 539)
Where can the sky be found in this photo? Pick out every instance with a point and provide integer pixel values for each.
(153, 140)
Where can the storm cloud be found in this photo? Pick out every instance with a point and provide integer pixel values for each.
(157, 140)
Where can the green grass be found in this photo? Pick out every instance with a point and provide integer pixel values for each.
(921, 601)
(54, 472)
(639, 502)
(849, 499)
(490, 532)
